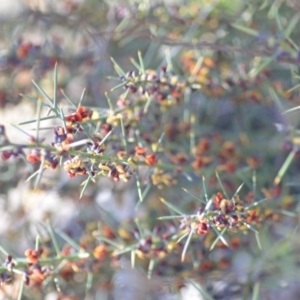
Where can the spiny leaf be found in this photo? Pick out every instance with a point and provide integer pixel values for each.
(172, 207)
(194, 196)
(118, 69)
(219, 237)
(221, 185)
(245, 29)
(284, 167)
(186, 245)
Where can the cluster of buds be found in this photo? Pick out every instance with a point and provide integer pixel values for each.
(14, 152)
(35, 273)
(230, 213)
(62, 138)
(75, 166)
(71, 267)
(101, 252)
(6, 277)
(150, 159)
(152, 248)
(222, 213)
(163, 86)
(18, 151)
(242, 86)
(226, 154)
(82, 114)
(49, 159)
(158, 244)
(160, 178)
(116, 171)
(96, 148)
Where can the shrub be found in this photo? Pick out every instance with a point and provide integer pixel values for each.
(193, 140)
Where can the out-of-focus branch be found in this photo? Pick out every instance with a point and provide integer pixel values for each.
(223, 48)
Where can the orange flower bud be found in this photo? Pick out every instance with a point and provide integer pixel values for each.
(151, 159)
